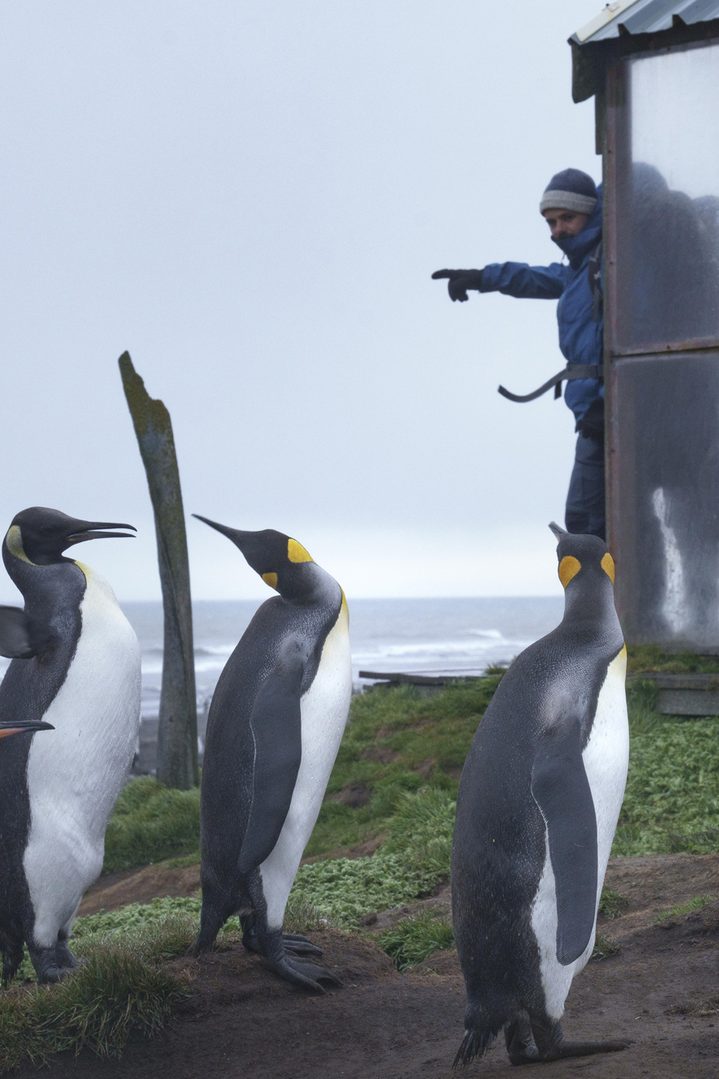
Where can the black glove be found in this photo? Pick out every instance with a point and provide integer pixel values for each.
(459, 281)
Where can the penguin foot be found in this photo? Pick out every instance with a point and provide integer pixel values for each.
(301, 972)
(583, 1049)
(47, 967)
(50, 973)
(212, 919)
(521, 1046)
(200, 947)
(299, 944)
(552, 1046)
(295, 943)
(64, 957)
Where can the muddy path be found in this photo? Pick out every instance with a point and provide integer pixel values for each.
(660, 990)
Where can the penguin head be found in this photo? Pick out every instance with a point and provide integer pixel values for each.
(281, 561)
(39, 535)
(19, 727)
(583, 561)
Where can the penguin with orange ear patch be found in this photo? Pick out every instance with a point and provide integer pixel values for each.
(273, 731)
(538, 804)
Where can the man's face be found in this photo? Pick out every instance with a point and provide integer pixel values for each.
(564, 222)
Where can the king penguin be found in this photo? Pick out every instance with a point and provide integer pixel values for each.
(76, 667)
(274, 728)
(538, 804)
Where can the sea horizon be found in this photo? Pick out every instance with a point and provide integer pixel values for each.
(461, 635)
(423, 635)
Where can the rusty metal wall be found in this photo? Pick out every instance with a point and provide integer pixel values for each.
(662, 267)
(666, 439)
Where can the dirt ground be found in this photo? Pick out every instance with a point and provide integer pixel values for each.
(660, 990)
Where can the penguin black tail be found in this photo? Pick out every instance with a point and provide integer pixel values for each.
(480, 1030)
(474, 1044)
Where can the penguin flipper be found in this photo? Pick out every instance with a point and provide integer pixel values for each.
(15, 634)
(561, 790)
(277, 729)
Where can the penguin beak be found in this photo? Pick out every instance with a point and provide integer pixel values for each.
(88, 530)
(7, 729)
(234, 534)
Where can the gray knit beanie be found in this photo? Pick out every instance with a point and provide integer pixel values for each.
(570, 189)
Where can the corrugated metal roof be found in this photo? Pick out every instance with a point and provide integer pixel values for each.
(614, 30)
(644, 17)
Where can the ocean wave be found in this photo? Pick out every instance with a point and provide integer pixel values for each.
(475, 646)
(220, 649)
(210, 665)
(215, 650)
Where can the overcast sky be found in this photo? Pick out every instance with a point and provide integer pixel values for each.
(250, 198)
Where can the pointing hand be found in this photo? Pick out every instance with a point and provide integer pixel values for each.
(458, 281)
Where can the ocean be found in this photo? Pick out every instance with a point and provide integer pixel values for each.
(424, 636)
(428, 636)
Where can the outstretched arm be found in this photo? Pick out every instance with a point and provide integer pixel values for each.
(517, 279)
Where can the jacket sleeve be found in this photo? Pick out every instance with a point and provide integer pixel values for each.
(524, 281)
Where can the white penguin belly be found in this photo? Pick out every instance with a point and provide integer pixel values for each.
(75, 775)
(323, 710)
(606, 759)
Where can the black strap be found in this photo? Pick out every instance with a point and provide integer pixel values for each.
(568, 373)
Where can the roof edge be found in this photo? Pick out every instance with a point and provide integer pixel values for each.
(591, 58)
(608, 13)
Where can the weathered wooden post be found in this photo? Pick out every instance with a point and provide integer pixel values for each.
(177, 730)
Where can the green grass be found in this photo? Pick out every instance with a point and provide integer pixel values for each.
(413, 939)
(135, 919)
(411, 863)
(612, 904)
(151, 822)
(648, 657)
(672, 798)
(398, 739)
(399, 742)
(698, 902)
(120, 989)
(604, 948)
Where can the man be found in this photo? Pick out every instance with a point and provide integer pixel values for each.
(572, 207)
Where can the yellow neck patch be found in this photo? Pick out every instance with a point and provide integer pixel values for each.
(14, 544)
(296, 552)
(270, 579)
(569, 567)
(607, 565)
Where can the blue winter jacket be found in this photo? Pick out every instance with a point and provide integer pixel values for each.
(580, 333)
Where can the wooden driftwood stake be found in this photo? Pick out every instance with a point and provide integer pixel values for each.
(177, 731)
